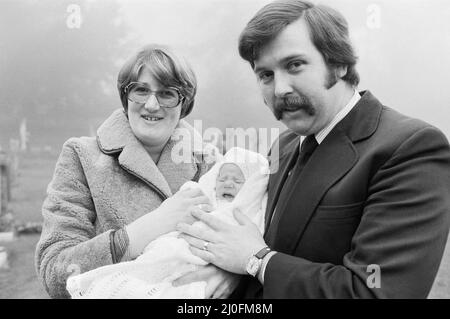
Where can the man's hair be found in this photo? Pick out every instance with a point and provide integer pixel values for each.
(166, 67)
(328, 30)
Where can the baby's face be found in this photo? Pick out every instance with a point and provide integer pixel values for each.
(229, 182)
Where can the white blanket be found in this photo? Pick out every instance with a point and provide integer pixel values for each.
(168, 257)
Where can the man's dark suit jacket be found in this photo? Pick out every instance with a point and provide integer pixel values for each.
(376, 191)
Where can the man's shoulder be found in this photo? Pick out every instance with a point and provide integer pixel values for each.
(399, 136)
(390, 116)
(396, 125)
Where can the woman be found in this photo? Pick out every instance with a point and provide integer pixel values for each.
(112, 195)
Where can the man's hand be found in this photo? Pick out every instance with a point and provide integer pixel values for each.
(219, 283)
(228, 246)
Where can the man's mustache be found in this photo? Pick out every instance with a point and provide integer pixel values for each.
(291, 104)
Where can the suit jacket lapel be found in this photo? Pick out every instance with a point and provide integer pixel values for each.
(332, 159)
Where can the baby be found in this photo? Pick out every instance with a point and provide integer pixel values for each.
(229, 182)
(237, 181)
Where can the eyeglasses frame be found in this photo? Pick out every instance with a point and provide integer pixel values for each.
(180, 96)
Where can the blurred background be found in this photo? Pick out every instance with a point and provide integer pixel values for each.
(59, 61)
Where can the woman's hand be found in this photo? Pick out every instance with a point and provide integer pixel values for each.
(220, 283)
(178, 208)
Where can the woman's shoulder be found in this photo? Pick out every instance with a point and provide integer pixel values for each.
(80, 147)
(80, 143)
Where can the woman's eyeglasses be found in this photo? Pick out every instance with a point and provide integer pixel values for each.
(140, 93)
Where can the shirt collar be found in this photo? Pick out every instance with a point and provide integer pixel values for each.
(320, 136)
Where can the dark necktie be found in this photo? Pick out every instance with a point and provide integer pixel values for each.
(307, 148)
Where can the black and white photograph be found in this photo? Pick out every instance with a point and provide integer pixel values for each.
(224, 149)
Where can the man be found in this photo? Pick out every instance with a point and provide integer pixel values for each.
(360, 209)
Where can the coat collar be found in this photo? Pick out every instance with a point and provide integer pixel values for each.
(333, 158)
(363, 119)
(115, 133)
(115, 136)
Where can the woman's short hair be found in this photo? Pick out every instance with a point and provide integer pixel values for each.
(168, 69)
(328, 31)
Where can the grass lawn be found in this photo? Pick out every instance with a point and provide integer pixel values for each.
(28, 192)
